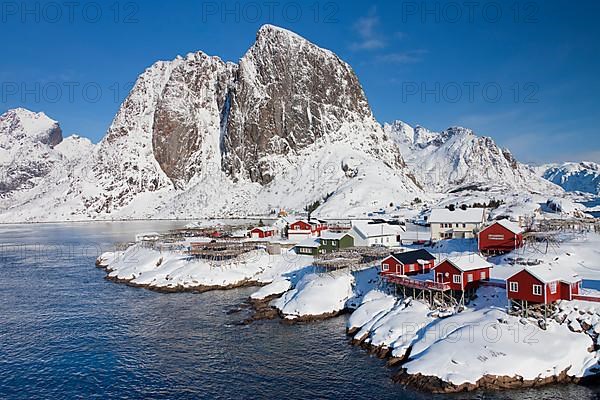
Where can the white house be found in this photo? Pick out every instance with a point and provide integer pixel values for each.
(457, 223)
(370, 234)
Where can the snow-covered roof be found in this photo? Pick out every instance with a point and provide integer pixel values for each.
(547, 273)
(367, 230)
(309, 242)
(469, 215)
(264, 228)
(510, 225)
(146, 236)
(468, 262)
(333, 235)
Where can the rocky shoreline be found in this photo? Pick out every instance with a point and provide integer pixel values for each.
(263, 309)
(435, 385)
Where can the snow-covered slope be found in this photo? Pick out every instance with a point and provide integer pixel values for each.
(457, 159)
(33, 154)
(574, 177)
(26, 149)
(199, 137)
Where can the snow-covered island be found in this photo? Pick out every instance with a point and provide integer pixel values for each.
(475, 344)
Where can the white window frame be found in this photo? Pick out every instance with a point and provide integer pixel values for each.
(483, 275)
(537, 287)
(385, 267)
(469, 277)
(513, 287)
(411, 267)
(553, 287)
(457, 278)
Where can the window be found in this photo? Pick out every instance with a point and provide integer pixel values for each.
(386, 267)
(483, 275)
(411, 267)
(464, 225)
(457, 225)
(514, 287)
(470, 278)
(537, 290)
(553, 287)
(456, 279)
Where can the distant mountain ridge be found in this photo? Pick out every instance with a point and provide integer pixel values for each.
(457, 158)
(574, 177)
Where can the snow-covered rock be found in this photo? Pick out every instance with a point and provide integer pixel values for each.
(574, 177)
(198, 137)
(317, 295)
(272, 289)
(458, 159)
(36, 164)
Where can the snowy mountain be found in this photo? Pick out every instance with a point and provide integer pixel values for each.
(574, 177)
(197, 137)
(457, 159)
(31, 150)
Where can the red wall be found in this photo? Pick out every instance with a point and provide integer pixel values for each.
(447, 267)
(304, 226)
(261, 233)
(397, 267)
(418, 268)
(526, 282)
(510, 241)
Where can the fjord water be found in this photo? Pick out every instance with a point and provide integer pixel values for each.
(66, 332)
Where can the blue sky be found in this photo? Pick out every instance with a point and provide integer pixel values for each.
(524, 72)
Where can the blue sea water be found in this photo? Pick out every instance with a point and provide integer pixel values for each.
(66, 332)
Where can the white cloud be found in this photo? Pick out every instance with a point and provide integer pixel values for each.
(406, 57)
(367, 29)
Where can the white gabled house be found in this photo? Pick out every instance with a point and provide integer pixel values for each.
(367, 233)
(456, 224)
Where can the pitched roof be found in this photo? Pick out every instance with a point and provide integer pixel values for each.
(547, 273)
(367, 230)
(510, 225)
(412, 257)
(333, 235)
(309, 242)
(444, 215)
(468, 262)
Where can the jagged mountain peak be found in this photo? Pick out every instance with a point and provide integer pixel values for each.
(289, 95)
(458, 158)
(23, 124)
(286, 126)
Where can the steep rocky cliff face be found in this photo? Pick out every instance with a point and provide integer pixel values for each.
(289, 94)
(187, 121)
(197, 120)
(287, 126)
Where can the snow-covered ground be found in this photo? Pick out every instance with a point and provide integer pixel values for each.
(461, 349)
(173, 269)
(483, 340)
